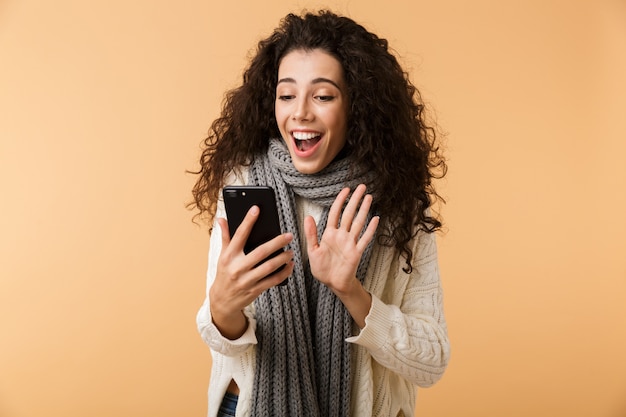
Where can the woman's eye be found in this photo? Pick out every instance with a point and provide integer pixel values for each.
(285, 97)
(325, 98)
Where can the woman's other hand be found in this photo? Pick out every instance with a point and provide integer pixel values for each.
(335, 257)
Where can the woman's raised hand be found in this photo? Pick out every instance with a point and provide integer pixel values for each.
(335, 257)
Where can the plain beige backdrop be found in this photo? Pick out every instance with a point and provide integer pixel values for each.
(103, 105)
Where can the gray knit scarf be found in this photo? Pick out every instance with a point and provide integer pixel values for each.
(303, 361)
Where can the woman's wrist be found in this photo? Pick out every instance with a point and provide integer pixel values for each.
(357, 301)
(231, 325)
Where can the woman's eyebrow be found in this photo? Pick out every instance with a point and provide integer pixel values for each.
(325, 80)
(314, 81)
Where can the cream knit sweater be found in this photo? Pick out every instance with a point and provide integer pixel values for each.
(404, 342)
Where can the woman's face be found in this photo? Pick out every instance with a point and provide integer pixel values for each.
(311, 108)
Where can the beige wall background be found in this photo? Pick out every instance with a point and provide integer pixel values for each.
(103, 105)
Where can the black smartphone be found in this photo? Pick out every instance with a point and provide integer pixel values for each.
(237, 201)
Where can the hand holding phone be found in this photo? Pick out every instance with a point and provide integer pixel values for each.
(238, 200)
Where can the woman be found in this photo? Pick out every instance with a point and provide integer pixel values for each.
(327, 117)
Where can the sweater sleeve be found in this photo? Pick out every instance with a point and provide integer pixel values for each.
(407, 332)
(207, 329)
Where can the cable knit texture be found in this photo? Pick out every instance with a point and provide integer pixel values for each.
(403, 344)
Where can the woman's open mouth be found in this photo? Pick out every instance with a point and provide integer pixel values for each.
(305, 141)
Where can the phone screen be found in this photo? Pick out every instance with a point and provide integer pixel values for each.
(238, 200)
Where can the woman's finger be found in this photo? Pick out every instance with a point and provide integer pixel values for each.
(334, 214)
(242, 232)
(310, 232)
(361, 217)
(274, 278)
(349, 212)
(223, 224)
(368, 235)
(264, 251)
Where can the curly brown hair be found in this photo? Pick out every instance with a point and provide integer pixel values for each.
(387, 130)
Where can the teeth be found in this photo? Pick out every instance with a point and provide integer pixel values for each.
(305, 135)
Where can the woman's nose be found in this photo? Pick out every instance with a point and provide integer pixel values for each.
(302, 110)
